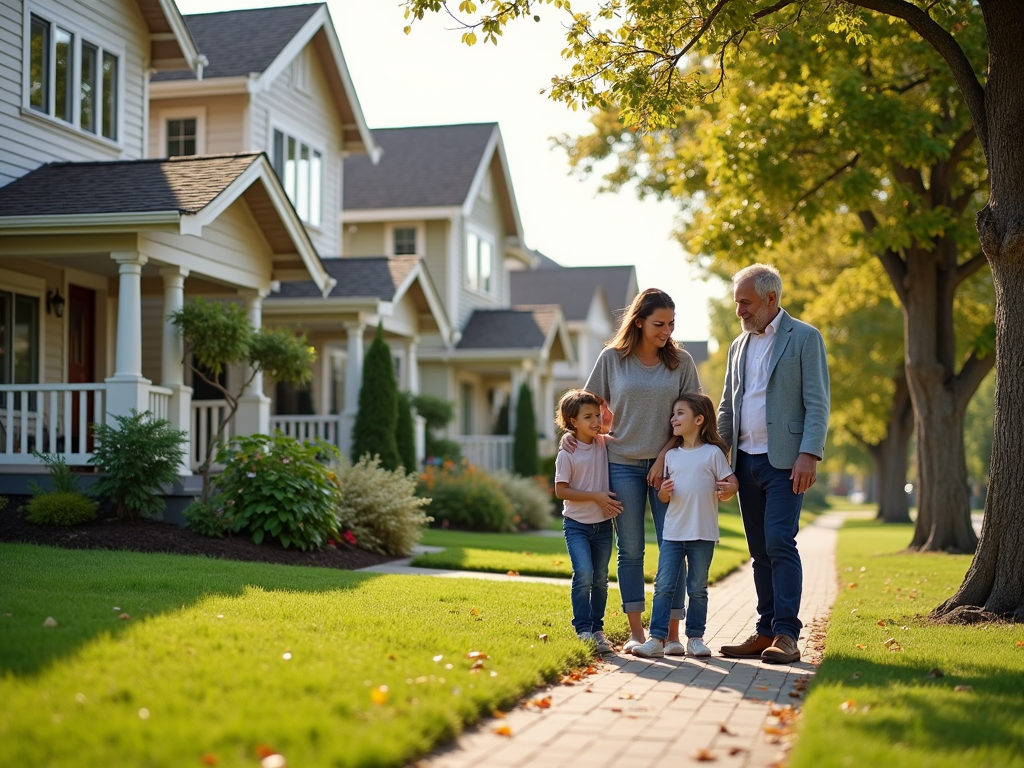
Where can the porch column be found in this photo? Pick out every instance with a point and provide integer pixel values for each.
(253, 416)
(127, 388)
(353, 383)
(172, 367)
(547, 406)
(515, 381)
(412, 384)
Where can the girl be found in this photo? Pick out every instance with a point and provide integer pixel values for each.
(697, 477)
(639, 375)
(581, 479)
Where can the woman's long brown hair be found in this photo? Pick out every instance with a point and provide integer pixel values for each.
(701, 405)
(628, 336)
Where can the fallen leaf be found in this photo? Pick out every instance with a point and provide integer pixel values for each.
(1020, 643)
(848, 706)
(543, 638)
(210, 759)
(626, 696)
(852, 585)
(794, 694)
(963, 688)
(935, 673)
(542, 702)
(379, 695)
(50, 622)
(478, 664)
(773, 730)
(723, 729)
(474, 611)
(616, 709)
(761, 687)
(735, 751)
(881, 623)
(703, 756)
(503, 730)
(512, 573)
(477, 655)
(861, 646)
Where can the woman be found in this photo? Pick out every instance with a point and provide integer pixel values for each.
(639, 375)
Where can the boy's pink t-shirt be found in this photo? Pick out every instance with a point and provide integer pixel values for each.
(584, 470)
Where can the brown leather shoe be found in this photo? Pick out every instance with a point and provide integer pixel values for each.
(782, 651)
(751, 648)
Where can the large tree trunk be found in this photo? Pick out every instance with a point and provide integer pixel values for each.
(890, 456)
(943, 503)
(995, 581)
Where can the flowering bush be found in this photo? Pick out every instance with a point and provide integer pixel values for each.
(466, 497)
(210, 518)
(380, 509)
(531, 504)
(281, 488)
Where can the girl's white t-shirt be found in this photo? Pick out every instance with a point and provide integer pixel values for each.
(693, 506)
(584, 470)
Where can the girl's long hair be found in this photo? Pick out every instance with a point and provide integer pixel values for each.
(701, 405)
(628, 335)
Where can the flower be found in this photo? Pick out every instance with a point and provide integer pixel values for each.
(286, 460)
(250, 475)
(349, 537)
(231, 502)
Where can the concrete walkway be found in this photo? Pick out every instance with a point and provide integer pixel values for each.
(635, 713)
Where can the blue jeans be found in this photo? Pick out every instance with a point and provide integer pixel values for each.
(629, 484)
(771, 519)
(691, 561)
(590, 550)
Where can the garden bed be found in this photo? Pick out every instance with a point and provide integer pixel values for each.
(108, 532)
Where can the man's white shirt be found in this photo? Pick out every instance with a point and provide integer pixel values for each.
(753, 437)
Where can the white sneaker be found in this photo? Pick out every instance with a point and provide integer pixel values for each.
(630, 644)
(652, 649)
(586, 637)
(695, 647)
(603, 646)
(674, 648)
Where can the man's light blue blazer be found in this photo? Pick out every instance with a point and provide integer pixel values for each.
(797, 399)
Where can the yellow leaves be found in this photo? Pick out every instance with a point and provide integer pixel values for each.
(893, 645)
(540, 702)
(704, 756)
(469, 38)
(861, 646)
(1020, 643)
(512, 573)
(379, 695)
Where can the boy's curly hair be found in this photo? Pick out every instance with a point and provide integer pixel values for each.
(569, 407)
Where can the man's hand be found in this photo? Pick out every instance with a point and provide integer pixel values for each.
(805, 472)
(606, 501)
(568, 443)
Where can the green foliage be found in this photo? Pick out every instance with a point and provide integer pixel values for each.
(62, 479)
(4, 501)
(406, 432)
(380, 507)
(524, 447)
(438, 414)
(61, 508)
(374, 433)
(282, 355)
(530, 499)
(212, 518)
(216, 333)
(279, 488)
(140, 455)
(466, 498)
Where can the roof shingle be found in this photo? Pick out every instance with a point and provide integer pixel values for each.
(420, 167)
(517, 328)
(374, 276)
(573, 287)
(183, 184)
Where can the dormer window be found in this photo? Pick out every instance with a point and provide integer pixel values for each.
(300, 169)
(85, 95)
(405, 241)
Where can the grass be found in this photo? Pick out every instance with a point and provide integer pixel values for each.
(547, 556)
(201, 672)
(896, 714)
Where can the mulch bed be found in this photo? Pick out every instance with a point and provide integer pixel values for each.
(151, 536)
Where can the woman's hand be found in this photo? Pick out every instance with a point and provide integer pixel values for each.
(606, 416)
(606, 501)
(568, 443)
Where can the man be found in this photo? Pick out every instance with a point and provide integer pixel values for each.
(774, 416)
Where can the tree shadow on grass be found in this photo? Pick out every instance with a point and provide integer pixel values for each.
(91, 593)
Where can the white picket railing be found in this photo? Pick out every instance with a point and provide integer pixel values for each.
(160, 401)
(49, 418)
(488, 452)
(207, 416)
(305, 428)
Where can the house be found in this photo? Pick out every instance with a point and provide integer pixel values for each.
(100, 242)
(444, 194)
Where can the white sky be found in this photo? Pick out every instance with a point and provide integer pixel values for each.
(430, 78)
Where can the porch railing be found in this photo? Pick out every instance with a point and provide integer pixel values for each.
(49, 418)
(324, 428)
(207, 416)
(160, 401)
(489, 452)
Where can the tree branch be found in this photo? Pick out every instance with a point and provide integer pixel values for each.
(966, 382)
(948, 48)
(891, 260)
(837, 172)
(969, 267)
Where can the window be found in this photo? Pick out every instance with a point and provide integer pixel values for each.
(56, 89)
(181, 137)
(404, 241)
(19, 340)
(300, 168)
(299, 70)
(466, 403)
(479, 264)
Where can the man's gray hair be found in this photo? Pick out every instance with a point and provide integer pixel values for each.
(766, 280)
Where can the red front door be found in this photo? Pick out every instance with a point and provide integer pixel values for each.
(81, 339)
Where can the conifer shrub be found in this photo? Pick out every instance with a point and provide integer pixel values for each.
(380, 507)
(438, 414)
(466, 498)
(61, 508)
(376, 427)
(406, 432)
(531, 504)
(524, 447)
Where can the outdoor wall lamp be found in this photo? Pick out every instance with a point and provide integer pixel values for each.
(55, 302)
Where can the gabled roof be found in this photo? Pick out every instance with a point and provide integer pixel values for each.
(239, 42)
(529, 327)
(574, 287)
(181, 195)
(171, 44)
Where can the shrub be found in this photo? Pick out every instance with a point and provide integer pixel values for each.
(406, 432)
(466, 498)
(531, 504)
(374, 432)
(211, 518)
(62, 479)
(524, 447)
(281, 488)
(381, 508)
(61, 508)
(137, 458)
(438, 414)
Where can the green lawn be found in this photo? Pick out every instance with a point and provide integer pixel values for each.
(895, 713)
(222, 658)
(547, 556)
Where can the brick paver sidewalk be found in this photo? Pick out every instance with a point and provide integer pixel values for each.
(636, 713)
